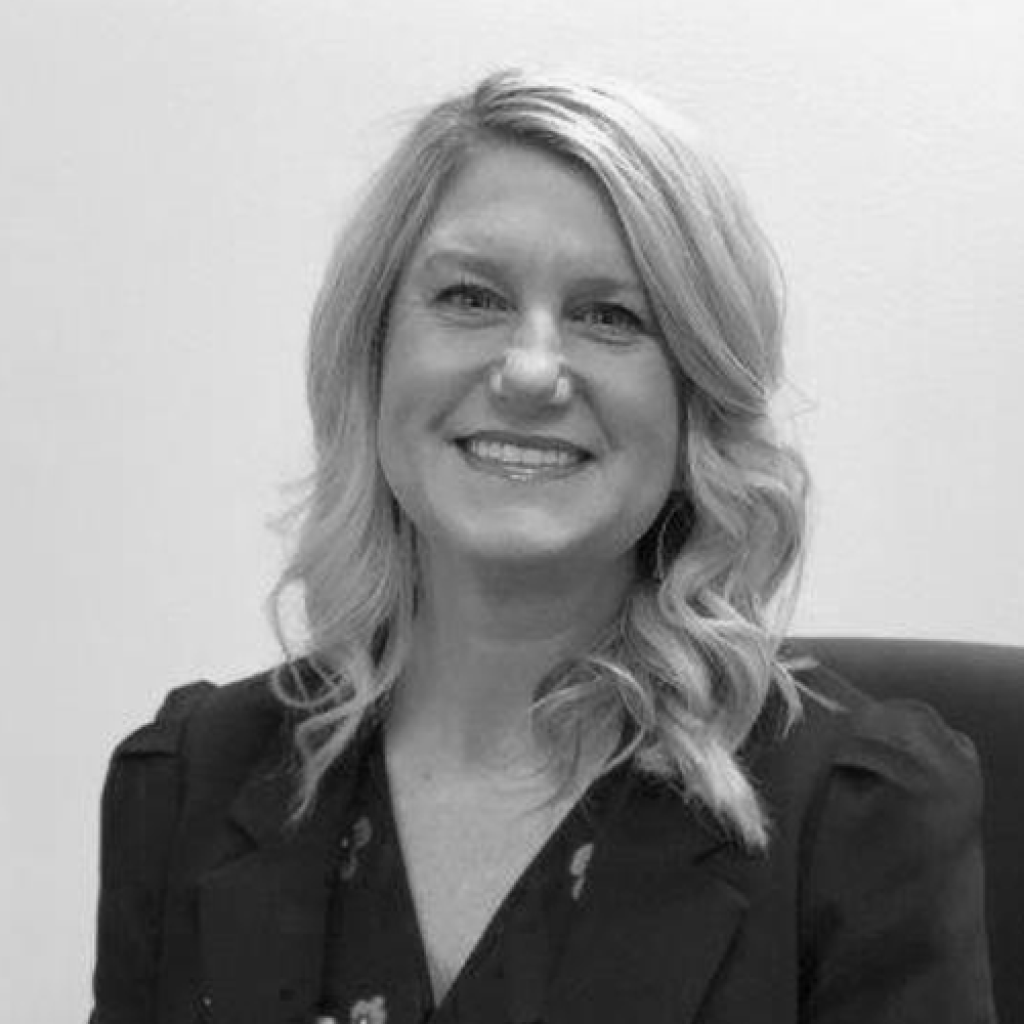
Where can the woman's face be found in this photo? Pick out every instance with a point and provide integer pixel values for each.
(523, 267)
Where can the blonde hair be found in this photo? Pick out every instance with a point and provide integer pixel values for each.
(694, 655)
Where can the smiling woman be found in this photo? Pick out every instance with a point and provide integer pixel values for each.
(527, 414)
(541, 737)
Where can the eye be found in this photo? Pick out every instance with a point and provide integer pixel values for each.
(470, 298)
(610, 318)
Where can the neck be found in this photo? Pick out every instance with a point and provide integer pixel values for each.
(482, 642)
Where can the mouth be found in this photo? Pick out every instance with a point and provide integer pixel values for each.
(523, 458)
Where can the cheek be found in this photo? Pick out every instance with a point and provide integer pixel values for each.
(419, 388)
(405, 380)
(655, 403)
(659, 468)
(393, 414)
(395, 455)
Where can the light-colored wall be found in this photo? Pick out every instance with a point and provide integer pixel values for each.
(171, 176)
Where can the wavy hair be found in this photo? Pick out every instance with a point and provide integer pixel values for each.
(694, 656)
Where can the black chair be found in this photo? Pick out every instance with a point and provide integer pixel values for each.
(979, 690)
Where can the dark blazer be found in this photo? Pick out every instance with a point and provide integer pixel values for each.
(866, 909)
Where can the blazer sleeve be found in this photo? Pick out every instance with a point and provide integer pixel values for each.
(139, 812)
(893, 889)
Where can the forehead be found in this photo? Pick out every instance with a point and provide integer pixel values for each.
(521, 201)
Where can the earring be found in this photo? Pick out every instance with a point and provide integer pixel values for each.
(672, 531)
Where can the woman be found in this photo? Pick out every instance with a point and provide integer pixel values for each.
(542, 757)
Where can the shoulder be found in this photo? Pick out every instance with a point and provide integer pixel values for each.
(203, 743)
(849, 747)
(203, 727)
(879, 804)
(243, 706)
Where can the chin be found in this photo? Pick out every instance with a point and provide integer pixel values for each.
(521, 546)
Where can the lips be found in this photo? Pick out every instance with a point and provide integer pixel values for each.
(516, 455)
(527, 443)
(522, 457)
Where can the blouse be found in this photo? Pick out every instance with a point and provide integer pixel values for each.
(382, 976)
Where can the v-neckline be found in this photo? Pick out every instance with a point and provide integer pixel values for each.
(506, 906)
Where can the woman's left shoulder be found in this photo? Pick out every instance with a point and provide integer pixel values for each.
(862, 750)
(878, 807)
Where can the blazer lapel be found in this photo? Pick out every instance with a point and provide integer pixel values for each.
(263, 914)
(661, 906)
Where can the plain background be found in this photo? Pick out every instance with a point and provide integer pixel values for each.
(172, 175)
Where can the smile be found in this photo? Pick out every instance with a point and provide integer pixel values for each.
(522, 462)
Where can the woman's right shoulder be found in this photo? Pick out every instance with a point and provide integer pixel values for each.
(203, 720)
(199, 748)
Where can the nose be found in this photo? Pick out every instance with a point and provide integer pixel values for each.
(533, 369)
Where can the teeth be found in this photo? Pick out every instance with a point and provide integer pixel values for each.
(514, 455)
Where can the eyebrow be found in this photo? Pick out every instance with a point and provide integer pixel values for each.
(441, 258)
(469, 259)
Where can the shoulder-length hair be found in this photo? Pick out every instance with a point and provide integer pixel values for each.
(694, 655)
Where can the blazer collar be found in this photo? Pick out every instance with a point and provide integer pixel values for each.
(664, 898)
(263, 913)
(662, 902)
